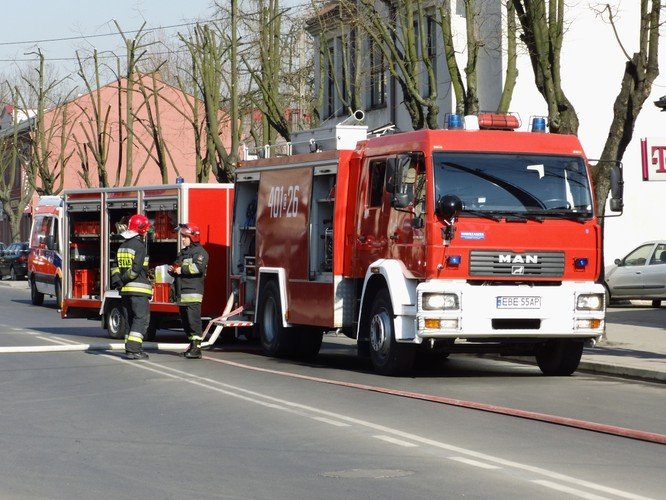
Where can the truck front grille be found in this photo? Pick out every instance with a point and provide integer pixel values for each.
(494, 263)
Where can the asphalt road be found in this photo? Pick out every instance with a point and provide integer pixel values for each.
(240, 425)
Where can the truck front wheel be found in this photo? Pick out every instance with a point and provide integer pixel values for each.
(116, 322)
(36, 297)
(387, 355)
(559, 357)
(276, 340)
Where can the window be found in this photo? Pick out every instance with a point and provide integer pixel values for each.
(330, 81)
(638, 257)
(659, 255)
(376, 182)
(377, 76)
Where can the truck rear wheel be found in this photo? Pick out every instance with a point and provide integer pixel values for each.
(275, 338)
(387, 355)
(116, 322)
(36, 297)
(559, 357)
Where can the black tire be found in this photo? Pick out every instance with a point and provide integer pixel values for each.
(36, 297)
(656, 303)
(153, 326)
(559, 357)
(116, 323)
(58, 294)
(276, 340)
(388, 356)
(308, 342)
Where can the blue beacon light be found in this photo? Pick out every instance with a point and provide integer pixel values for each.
(538, 124)
(580, 262)
(454, 121)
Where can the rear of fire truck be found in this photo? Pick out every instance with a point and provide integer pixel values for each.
(492, 245)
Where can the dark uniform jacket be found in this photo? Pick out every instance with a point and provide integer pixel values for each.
(193, 261)
(131, 271)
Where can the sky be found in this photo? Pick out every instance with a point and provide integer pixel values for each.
(35, 21)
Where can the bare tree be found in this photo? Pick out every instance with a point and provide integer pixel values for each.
(640, 71)
(208, 48)
(15, 191)
(45, 171)
(543, 32)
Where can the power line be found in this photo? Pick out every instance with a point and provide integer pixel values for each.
(83, 37)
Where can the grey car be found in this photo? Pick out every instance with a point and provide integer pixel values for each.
(640, 275)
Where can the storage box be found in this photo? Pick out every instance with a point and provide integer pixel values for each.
(161, 292)
(162, 274)
(85, 283)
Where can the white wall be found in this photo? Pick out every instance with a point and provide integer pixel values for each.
(593, 64)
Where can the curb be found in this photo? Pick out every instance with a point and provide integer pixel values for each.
(622, 371)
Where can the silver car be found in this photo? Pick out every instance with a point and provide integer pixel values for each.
(641, 274)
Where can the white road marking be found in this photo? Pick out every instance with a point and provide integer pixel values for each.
(297, 408)
(475, 463)
(567, 490)
(393, 440)
(336, 423)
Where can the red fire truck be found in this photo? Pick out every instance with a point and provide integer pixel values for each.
(92, 222)
(469, 239)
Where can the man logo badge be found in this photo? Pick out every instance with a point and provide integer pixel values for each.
(517, 269)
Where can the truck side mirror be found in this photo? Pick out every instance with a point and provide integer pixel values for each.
(400, 200)
(616, 189)
(448, 207)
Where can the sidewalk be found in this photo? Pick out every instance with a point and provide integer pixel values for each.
(634, 347)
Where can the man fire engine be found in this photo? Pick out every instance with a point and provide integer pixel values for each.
(474, 239)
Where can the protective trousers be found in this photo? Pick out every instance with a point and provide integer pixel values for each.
(137, 309)
(190, 316)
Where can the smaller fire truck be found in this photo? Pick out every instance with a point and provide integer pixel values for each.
(92, 223)
(476, 238)
(44, 261)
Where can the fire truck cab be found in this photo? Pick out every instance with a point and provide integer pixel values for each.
(477, 239)
(45, 260)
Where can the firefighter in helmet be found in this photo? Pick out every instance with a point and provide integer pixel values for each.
(130, 277)
(189, 271)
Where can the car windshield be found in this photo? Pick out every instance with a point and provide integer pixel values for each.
(521, 184)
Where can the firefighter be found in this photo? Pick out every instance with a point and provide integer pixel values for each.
(130, 277)
(189, 272)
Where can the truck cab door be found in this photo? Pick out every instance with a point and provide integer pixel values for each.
(371, 240)
(406, 189)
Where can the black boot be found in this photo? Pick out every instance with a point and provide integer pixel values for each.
(136, 355)
(192, 345)
(194, 351)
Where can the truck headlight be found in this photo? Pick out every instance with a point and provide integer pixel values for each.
(590, 302)
(440, 301)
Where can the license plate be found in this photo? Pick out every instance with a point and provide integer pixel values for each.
(518, 302)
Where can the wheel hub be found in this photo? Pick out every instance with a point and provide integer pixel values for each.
(378, 328)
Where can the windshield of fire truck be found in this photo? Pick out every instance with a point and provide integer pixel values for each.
(520, 184)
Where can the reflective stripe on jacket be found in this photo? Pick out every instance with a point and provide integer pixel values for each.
(132, 266)
(193, 261)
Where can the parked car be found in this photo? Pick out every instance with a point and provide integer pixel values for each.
(2, 246)
(640, 275)
(14, 261)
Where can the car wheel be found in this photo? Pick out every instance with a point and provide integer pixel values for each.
(36, 297)
(12, 274)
